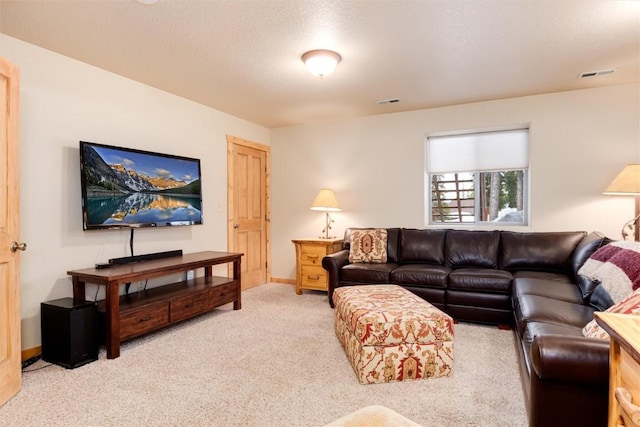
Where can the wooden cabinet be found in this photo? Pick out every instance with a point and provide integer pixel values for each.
(309, 254)
(624, 367)
(131, 315)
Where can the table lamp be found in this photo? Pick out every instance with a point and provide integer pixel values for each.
(627, 183)
(326, 202)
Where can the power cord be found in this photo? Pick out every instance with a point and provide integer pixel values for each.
(128, 284)
(37, 369)
(30, 362)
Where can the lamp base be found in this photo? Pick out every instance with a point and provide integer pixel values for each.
(634, 224)
(327, 227)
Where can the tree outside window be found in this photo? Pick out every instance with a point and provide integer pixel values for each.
(453, 197)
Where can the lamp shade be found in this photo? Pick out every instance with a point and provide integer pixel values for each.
(326, 201)
(321, 62)
(627, 182)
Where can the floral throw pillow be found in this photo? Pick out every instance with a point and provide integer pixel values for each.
(629, 305)
(368, 246)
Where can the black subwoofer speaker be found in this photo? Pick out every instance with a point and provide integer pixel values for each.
(69, 332)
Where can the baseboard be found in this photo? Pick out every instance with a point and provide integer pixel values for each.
(281, 280)
(31, 352)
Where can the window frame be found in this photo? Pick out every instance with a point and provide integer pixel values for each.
(477, 174)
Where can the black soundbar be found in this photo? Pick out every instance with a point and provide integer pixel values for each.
(145, 257)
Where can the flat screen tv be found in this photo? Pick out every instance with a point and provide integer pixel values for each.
(128, 188)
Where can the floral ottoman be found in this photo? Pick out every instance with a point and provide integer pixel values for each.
(390, 334)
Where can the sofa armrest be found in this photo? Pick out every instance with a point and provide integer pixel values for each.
(333, 263)
(570, 359)
(569, 381)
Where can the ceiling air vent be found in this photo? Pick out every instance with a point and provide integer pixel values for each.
(596, 73)
(388, 101)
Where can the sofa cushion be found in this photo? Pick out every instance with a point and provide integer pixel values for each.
(367, 272)
(422, 275)
(542, 275)
(563, 291)
(422, 246)
(549, 251)
(617, 267)
(368, 246)
(534, 308)
(629, 305)
(480, 280)
(472, 248)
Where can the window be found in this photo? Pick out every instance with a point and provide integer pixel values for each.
(477, 178)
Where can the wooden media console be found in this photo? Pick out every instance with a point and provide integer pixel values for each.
(136, 313)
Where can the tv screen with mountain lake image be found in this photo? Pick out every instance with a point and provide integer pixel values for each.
(128, 188)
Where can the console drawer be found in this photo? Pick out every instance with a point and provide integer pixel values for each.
(224, 294)
(144, 319)
(189, 305)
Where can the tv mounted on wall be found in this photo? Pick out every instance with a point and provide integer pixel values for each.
(128, 188)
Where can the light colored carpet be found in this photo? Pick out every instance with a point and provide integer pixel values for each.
(276, 362)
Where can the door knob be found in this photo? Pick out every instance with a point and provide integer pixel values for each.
(236, 226)
(15, 246)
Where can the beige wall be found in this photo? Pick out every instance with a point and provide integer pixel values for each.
(579, 140)
(64, 101)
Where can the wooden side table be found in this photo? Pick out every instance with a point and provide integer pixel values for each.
(624, 367)
(309, 254)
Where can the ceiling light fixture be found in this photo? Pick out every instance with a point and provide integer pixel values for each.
(321, 62)
(596, 73)
(388, 101)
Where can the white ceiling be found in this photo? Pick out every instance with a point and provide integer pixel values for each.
(243, 56)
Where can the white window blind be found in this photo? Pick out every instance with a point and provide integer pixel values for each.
(488, 151)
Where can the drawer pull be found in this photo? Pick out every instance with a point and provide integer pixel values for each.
(313, 277)
(145, 319)
(223, 294)
(623, 396)
(313, 256)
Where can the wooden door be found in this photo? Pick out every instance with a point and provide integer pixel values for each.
(10, 363)
(248, 207)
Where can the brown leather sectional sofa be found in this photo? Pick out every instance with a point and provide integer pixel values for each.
(527, 281)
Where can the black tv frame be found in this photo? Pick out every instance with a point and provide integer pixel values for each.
(108, 189)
